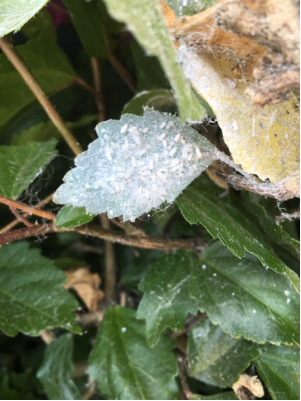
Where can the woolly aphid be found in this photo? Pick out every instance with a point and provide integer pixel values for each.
(135, 165)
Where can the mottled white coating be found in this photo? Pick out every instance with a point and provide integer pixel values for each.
(129, 169)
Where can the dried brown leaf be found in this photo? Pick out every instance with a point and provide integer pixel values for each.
(86, 284)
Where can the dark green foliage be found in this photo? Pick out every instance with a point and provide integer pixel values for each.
(182, 324)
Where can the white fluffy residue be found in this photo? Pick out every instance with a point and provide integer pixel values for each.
(139, 163)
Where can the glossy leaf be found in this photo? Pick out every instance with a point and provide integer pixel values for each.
(166, 301)
(228, 219)
(20, 165)
(217, 358)
(32, 297)
(50, 67)
(15, 13)
(55, 371)
(124, 365)
(145, 20)
(157, 98)
(135, 165)
(279, 368)
(274, 231)
(41, 132)
(244, 298)
(70, 216)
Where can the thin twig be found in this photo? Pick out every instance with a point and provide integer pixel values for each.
(16, 221)
(26, 208)
(124, 74)
(160, 244)
(33, 85)
(110, 261)
(20, 217)
(185, 387)
(98, 89)
(85, 85)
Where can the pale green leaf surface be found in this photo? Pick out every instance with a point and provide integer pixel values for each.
(135, 165)
(70, 216)
(124, 365)
(32, 297)
(49, 65)
(228, 219)
(166, 301)
(244, 298)
(15, 13)
(279, 368)
(55, 371)
(41, 132)
(20, 165)
(189, 7)
(145, 20)
(157, 98)
(215, 357)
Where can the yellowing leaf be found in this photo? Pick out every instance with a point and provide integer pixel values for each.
(263, 141)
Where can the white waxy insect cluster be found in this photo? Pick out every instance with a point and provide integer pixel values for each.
(135, 165)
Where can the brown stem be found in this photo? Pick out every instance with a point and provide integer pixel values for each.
(110, 262)
(124, 74)
(15, 222)
(160, 244)
(98, 88)
(33, 85)
(20, 217)
(26, 208)
(84, 84)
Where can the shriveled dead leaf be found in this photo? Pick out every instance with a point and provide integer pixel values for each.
(248, 387)
(86, 284)
(220, 64)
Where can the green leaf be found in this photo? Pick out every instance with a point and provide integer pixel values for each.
(244, 298)
(279, 368)
(144, 18)
(84, 120)
(41, 25)
(70, 216)
(227, 395)
(94, 26)
(166, 301)
(228, 219)
(55, 371)
(157, 98)
(20, 165)
(189, 7)
(135, 165)
(49, 65)
(15, 13)
(32, 297)
(274, 231)
(41, 132)
(215, 357)
(124, 365)
(149, 73)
